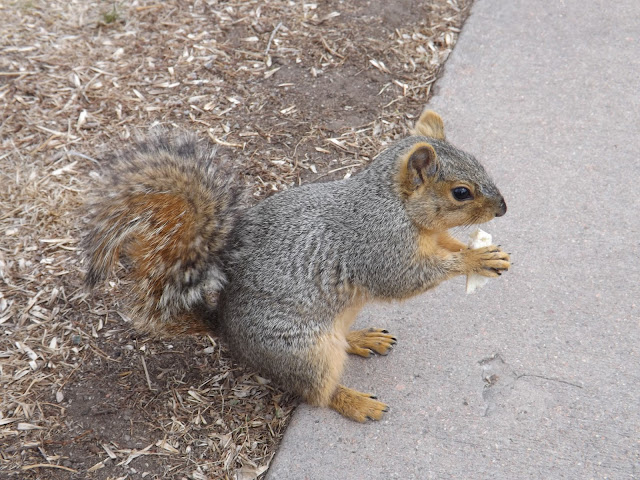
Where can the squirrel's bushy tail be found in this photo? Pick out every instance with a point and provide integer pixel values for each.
(168, 210)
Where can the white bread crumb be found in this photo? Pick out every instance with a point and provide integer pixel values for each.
(479, 239)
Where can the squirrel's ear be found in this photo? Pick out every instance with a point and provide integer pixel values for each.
(430, 125)
(417, 166)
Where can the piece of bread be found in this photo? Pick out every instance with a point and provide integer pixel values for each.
(479, 239)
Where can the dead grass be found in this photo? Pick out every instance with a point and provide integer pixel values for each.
(292, 91)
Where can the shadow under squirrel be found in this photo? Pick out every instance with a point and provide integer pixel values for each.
(282, 282)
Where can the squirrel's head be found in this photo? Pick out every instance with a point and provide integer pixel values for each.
(444, 187)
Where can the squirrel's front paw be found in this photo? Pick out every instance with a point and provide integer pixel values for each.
(486, 261)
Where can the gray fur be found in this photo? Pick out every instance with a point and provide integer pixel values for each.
(296, 257)
(292, 263)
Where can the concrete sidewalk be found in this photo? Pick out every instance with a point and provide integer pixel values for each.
(537, 376)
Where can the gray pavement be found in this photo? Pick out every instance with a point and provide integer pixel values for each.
(537, 376)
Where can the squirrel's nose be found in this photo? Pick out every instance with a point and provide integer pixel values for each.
(502, 208)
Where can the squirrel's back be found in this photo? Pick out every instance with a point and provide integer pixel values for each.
(319, 237)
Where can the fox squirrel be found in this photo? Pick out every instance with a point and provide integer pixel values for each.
(282, 282)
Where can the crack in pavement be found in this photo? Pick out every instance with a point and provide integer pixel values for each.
(499, 382)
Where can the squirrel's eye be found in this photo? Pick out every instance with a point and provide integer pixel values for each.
(461, 193)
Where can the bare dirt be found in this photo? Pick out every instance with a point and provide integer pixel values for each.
(291, 91)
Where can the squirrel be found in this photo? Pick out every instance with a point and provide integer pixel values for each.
(282, 281)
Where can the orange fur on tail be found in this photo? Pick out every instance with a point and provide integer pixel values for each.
(169, 212)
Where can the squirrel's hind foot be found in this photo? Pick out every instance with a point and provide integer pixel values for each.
(356, 405)
(368, 341)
